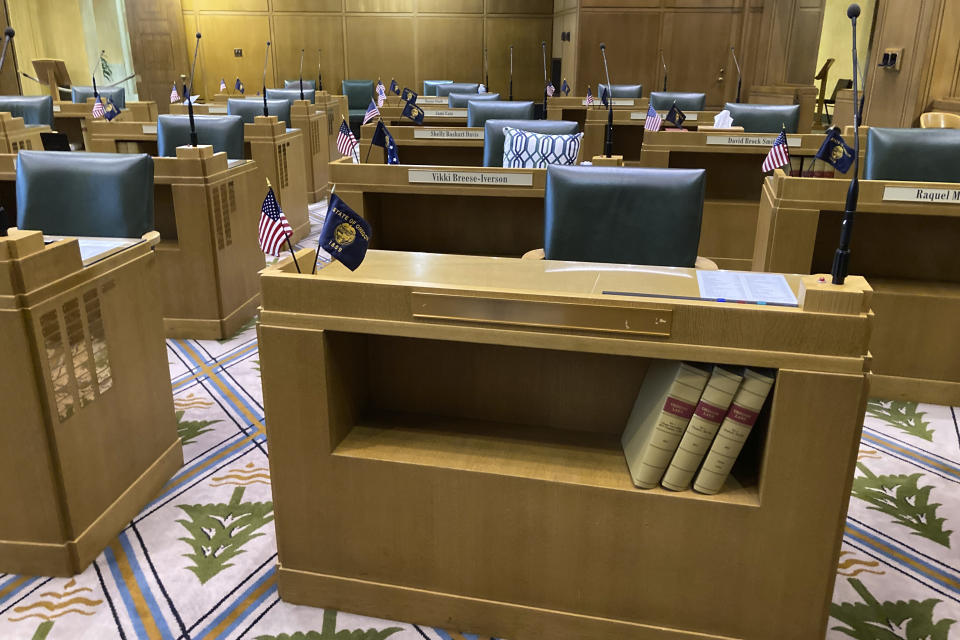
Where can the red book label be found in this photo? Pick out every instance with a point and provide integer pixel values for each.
(679, 408)
(709, 412)
(742, 415)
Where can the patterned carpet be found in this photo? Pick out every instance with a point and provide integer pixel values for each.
(898, 576)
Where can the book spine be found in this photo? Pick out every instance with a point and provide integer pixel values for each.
(740, 419)
(703, 426)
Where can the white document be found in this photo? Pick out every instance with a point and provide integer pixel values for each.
(745, 286)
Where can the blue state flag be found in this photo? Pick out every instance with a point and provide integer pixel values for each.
(413, 112)
(408, 95)
(345, 235)
(675, 116)
(238, 85)
(835, 151)
(111, 110)
(394, 87)
(382, 138)
(604, 96)
(565, 87)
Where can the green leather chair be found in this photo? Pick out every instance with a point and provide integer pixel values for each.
(663, 100)
(359, 93)
(915, 155)
(622, 91)
(290, 95)
(80, 94)
(250, 109)
(764, 118)
(460, 100)
(223, 133)
(623, 215)
(35, 110)
(493, 136)
(457, 87)
(430, 86)
(479, 111)
(308, 85)
(85, 194)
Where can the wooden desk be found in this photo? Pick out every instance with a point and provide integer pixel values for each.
(734, 182)
(439, 146)
(122, 136)
(88, 434)
(15, 135)
(908, 252)
(575, 108)
(491, 218)
(71, 118)
(465, 467)
(628, 131)
(435, 113)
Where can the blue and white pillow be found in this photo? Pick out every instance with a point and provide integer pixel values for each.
(528, 150)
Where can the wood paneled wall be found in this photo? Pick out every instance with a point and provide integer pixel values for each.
(410, 40)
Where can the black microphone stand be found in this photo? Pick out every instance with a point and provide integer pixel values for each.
(194, 140)
(664, 63)
(511, 73)
(266, 58)
(739, 76)
(301, 74)
(543, 48)
(608, 138)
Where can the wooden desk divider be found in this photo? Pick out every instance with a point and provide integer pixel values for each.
(281, 155)
(464, 210)
(905, 243)
(88, 434)
(628, 131)
(441, 146)
(495, 497)
(313, 122)
(15, 135)
(804, 95)
(335, 107)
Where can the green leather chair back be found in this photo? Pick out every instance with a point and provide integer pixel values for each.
(359, 93)
(34, 110)
(290, 95)
(223, 133)
(479, 111)
(493, 135)
(916, 155)
(622, 91)
(250, 109)
(764, 118)
(663, 100)
(460, 100)
(623, 215)
(457, 87)
(430, 86)
(308, 85)
(85, 194)
(80, 94)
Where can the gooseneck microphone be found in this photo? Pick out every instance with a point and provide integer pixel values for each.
(193, 70)
(608, 138)
(319, 73)
(266, 58)
(301, 74)
(739, 75)
(664, 63)
(8, 34)
(486, 70)
(511, 73)
(841, 259)
(543, 48)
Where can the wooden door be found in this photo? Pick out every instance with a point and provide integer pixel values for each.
(158, 47)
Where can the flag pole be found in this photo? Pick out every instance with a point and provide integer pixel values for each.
(317, 256)
(370, 148)
(289, 245)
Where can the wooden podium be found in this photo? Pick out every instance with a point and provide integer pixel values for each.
(313, 122)
(439, 146)
(494, 497)
(88, 434)
(14, 135)
(906, 249)
(53, 73)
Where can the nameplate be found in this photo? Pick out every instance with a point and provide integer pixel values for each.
(642, 115)
(56, 108)
(448, 134)
(432, 100)
(750, 141)
(480, 178)
(617, 102)
(216, 110)
(445, 113)
(149, 128)
(921, 194)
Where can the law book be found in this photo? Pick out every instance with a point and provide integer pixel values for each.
(740, 419)
(703, 426)
(664, 405)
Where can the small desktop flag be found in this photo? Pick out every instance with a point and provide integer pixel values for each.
(238, 86)
(589, 96)
(372, 112)
(394, 87)
(835, 151)
(174, 95)
(223, 85)
(565, 87)
(111, 110)
(345, 235)
(604, 96)
(653, 121)
(382, 138)
(550, 90)
(675, 116)
(413, 112)
(98, 108)
(347, 144)
(779, 154)
(408, 95)
(274, 228)
(381, 93)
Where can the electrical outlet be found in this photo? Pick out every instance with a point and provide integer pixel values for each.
(238, 53)
(892, 58)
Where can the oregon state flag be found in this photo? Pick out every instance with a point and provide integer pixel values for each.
(345, 235)
(835, 151)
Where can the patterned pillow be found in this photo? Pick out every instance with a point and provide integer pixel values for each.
(528, 150)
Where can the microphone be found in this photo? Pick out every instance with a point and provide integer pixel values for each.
(319, 73)
(543, 48)
(266, 57)
(739, 75)
(8, 36)
(511, 73)
(193, 70)
(608, 138)
(301, 74)
(841, 259)
(663, 62)
(486, 70)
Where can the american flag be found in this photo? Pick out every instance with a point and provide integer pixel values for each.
(779, 154)
(347, 145)
(589, 96)
(550, 90)
(223, 85)
(98, 108)
(174, 96)
(381, 93)
(653, 121)
(274, 228)
(372, 112)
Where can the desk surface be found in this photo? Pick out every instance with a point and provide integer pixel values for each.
(94, 249)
